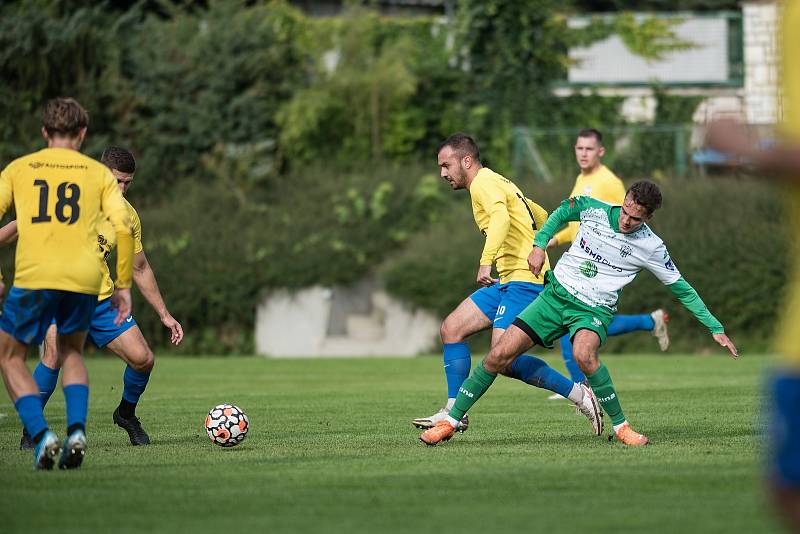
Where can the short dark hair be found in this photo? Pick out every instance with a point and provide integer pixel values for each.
(463, 144)
(119, 159)
(63, 116)
(646, 194)
(591, 132)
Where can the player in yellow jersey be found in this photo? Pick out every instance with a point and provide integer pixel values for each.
(597, 181)
(509, 222)
(782, 162)
(125, 340)
(59, 195)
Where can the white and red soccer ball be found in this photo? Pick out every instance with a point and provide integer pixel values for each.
(227, 425)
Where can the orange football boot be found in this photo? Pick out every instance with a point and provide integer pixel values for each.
(629, 436)
(441, 431)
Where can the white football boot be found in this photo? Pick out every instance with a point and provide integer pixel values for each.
(661, 318)
(589, 407)
(431, 420)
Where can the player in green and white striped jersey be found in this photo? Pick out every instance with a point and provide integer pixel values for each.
(580, 297)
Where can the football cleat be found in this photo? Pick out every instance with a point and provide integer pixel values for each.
(430, 421)
(134, 429)
(629, 436)
(589, 407)
(441, 431)
(661, 318)
(73, 451)
(45, 452)
(26, 441)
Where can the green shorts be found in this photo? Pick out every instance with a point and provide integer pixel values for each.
(556, 312)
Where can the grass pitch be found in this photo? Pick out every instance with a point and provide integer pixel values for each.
(331, 449)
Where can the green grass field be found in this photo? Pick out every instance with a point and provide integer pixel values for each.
(331, 449)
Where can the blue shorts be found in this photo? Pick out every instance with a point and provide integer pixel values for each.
(103, 331)
(784, 458)
(501, 303)
(27, 313)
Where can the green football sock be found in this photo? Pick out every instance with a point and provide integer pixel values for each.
(471, 390)
(604, 390)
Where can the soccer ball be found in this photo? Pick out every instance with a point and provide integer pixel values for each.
(227, 425)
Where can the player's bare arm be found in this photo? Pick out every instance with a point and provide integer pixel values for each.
(8, 234)
(145, 280)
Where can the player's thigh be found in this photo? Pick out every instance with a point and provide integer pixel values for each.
(27, 313)
(103, 329)
(511, 344)
(132, 348)
(473, 314)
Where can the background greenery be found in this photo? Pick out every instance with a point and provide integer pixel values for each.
(278, 150)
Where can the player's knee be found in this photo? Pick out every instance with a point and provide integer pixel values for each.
(450, 332)
(144, 361)
(497, 361)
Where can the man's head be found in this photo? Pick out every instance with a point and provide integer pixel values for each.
(459, 160)
(64, 123)
(589, 149)
(641, 201)
(122, 165)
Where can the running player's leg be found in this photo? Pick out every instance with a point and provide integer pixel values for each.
(514, 341)
(655, 323)
(75, 384)
(26, 314)
(47, 370)
(132, 348)
(127, 342)
(473, 314)
(586, 343)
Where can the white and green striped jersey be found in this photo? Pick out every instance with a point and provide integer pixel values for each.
(602, 260)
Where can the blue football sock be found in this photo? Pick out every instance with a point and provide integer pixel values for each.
(457, 365)
(536, 372)
(29, 408)
(569, 360)
(47, 379)
(77, 399)
(134, 384)
(622, 324)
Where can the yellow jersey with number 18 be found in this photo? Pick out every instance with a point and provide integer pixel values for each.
(509, 221)
(788, 340)
(60, 195)
(107, 240)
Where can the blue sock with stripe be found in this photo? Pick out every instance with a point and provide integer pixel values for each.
(47, 380)
(77, 398)
(536, 372)
(569, 360)
(29, 408)
(134, 384)
(622, 324)
(457, 363)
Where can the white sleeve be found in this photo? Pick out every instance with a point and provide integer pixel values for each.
(661, 265)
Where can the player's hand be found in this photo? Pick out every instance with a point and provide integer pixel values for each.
(724, 341)
(484, 277)
(176, 330)
(121, 301)
(536, 260)
(552, 242)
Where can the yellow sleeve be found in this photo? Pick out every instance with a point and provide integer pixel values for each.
(136, 226)
(493, 201)
(6, 191)
(114, 208)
